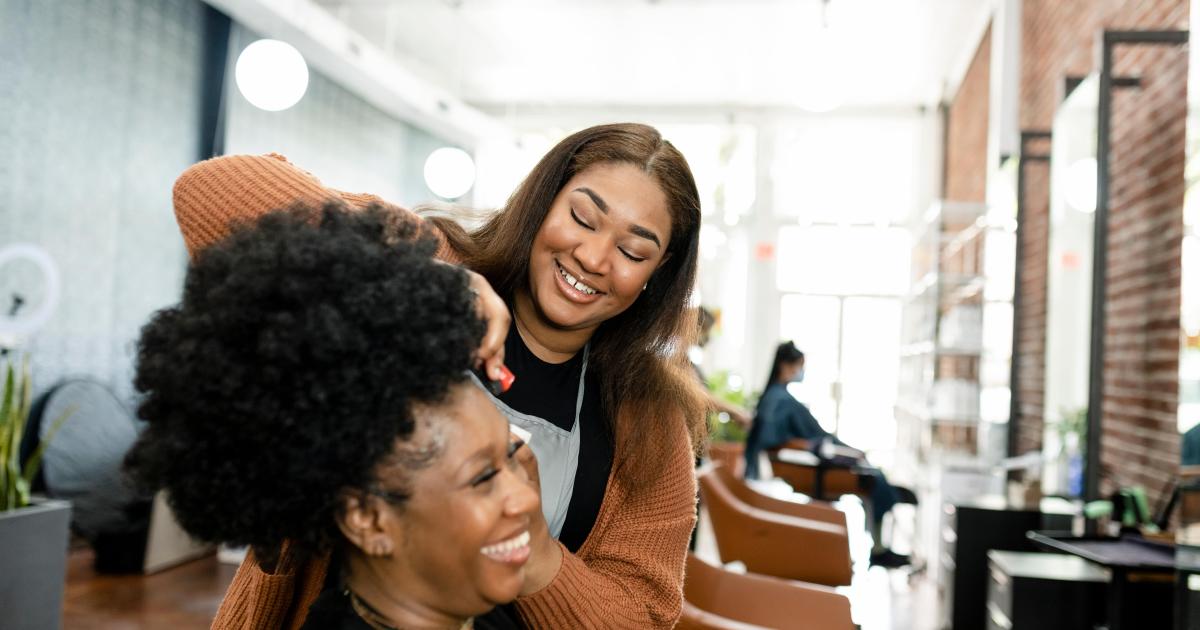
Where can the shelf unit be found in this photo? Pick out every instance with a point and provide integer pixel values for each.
(953, 390)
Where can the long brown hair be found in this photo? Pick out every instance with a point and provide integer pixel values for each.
(640, 353)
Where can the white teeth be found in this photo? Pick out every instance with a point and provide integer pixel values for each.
(501, 549)
(576, 282)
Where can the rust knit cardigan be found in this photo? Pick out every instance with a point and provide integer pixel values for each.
(629, 571)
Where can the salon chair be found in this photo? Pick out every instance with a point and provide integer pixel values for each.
(718, 599)
(816, 510)
(775, 543)
(731, 454)
(820, 479)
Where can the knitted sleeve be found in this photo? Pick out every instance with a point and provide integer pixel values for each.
(629, 572)
(257, 599)
(211, 195)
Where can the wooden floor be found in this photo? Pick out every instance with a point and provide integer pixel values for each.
(180, 598)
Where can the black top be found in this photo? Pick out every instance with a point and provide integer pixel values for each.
(549, 391)
(333, 611)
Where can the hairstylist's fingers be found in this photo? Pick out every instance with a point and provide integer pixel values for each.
(545, 557)
(495, 312)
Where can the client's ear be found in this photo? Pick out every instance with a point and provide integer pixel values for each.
(366, 521)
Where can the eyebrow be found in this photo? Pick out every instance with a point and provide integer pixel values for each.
(481, 455)
(634, 229)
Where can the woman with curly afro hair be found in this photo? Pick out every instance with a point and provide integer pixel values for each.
(583, 279)
(313, 388)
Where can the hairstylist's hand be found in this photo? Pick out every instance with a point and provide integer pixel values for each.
(545, 555)
(494, 311)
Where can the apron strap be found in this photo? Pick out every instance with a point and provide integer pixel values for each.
(579, 396)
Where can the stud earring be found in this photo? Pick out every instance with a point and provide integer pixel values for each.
(645, 285)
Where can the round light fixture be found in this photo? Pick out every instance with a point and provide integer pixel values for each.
(271, 75)
(449, 172)
(31, 274)
(1080, 187)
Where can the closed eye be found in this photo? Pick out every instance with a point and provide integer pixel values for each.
(484, 477)
(580, 221)
(631, 256)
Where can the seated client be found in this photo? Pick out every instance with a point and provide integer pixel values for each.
(779, 417)
(313, 386)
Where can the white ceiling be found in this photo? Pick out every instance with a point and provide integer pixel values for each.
(655, 53)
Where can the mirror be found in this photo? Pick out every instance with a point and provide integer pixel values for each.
(1069, 288)
(1189, 320)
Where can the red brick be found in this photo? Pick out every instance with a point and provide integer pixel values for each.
(1140, 443)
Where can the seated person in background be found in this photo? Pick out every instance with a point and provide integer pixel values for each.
(1189, 455)
(312, 387)
(779, 417)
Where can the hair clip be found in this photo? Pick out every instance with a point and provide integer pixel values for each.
(496, 387)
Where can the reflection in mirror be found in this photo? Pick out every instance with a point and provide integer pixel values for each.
(1189, 354)
(1068, 291)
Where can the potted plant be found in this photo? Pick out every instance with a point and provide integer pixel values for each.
(1072, 430)
(727, 439)
(33, 531)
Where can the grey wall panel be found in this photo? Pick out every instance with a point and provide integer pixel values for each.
(100, 107)
(346, 142)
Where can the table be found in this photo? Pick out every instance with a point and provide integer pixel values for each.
(1141, 593)
(1044, 591)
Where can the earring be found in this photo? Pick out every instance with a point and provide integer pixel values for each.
(645, 285)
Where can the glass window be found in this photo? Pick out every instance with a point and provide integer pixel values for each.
(812, 322)
(846, 171)
(836, 260)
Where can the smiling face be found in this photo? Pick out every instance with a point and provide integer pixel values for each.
(605, 234)
(461, 539)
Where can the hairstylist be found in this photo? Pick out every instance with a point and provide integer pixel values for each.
(594, 256)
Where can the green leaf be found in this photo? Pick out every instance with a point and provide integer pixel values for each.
(8, 492)
(35, 458)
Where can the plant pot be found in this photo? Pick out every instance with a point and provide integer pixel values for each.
(731, 454)
(33, 565)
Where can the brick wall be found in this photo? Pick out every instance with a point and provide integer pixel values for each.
(1030, 351)
(967, 130)
(1140, 443)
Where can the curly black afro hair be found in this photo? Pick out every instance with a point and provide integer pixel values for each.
(289, 370)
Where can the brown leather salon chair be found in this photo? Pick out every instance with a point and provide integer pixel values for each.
(817, 510)
(774, 543)
(820, 482)
(732, 455)
(716, 599)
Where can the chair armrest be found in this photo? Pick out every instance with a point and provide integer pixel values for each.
(777, 603)
(788, 547)
(814, 511)
(748, 598)
(695, 619)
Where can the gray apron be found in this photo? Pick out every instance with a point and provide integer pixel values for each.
(557, 453)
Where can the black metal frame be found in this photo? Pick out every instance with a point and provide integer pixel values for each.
(1024, 157)
(1110, 40)
(212, 83)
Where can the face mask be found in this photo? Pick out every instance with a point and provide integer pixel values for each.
(798, 377)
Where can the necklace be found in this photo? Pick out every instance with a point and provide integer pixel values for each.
(377, 621)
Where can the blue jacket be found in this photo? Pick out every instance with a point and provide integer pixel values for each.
(778, 418)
